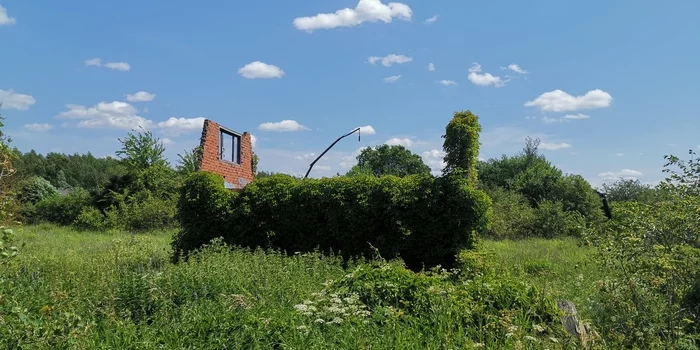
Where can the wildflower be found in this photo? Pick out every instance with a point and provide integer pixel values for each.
(538, 328)
(509, 334)
(337, 320)
(530, 338)
(479, 345)
(308, 302)
(512, 328)
(301, 328)
(301, 307)
(319, 321)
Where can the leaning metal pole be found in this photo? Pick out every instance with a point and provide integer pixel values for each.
(329, 147)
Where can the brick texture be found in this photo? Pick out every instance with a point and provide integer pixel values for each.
(236, 176)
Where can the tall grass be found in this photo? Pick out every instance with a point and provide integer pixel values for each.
(114, 290)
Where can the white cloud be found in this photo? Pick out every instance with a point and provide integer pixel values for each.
(94, 62)
(106, 115)
(284, 125)
(431, 67)
(515, 68)
(177, 126)
(5, 19)
(347, 164)
(431, 20)
(260, 70)
(253, 140)
(367, 130)
(560, 101)
(392, 78)
(365, 11)
(399, 142)
(554, 146)
(484, 79)
(122, 66)
(434, 159)
(627, 174)
(566, 118)
(448, 83)
(167, 141)
(305, 156)
(38, 127)
(389, 59)
(575, 116)
(97, 62)
(141, 96)
(12, 100)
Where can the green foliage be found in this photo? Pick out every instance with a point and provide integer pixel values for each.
(462, 145)
(190, 160)
(551, 220)
(141, 150)
(35, 189)
(390, 160)
(624, 190)
(8, 250)
(420, 218)
(653, 253)
(255, 164)
(359, 171)
(8, 205)
(63, 210)
(68, 171)
(113, 291)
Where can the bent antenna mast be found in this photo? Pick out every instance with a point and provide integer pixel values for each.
(331, 146)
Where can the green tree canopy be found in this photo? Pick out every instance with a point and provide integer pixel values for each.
(389, 160)
(141, 150)
(461, 145)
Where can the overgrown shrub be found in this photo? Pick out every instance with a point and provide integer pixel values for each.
(62, 210)
(512, 215)
(551, 220)
(422, 219)
(34, 189)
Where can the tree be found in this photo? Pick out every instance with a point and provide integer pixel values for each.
(255, 164)
(390, 160)
(461, 145)
(141, 151)
(7, 157)
(189, 161)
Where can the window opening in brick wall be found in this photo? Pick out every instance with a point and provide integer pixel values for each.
(229, 146)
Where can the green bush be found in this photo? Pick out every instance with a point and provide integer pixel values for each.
(151, 213)
(513, 216)
(34, 189)
(551, 220)
(91, 218)
(62, 210)
(424, 220)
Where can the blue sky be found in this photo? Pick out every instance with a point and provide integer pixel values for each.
(608, 87)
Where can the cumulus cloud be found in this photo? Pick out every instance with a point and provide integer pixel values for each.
(554, 146)
(448, 83)
(106, 115)
(389, 60)
(5, 19)
(431, 67)
(627, 174)
(367, 130)
(37, 127)
(13, 100)
(435, 160)
(515, 68)
(560, 101)
(253, 140)
(365, 11)
(177, 126)
(566, 118)
(97, 62)
(141, 96)
(305, 156)
(484, 79)
(399, 142)
(284, 125)
(392, 79)
(431, 20)
(260, 70)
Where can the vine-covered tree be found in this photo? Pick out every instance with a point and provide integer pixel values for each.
(461, 145)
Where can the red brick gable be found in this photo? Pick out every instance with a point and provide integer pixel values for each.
(238, 172)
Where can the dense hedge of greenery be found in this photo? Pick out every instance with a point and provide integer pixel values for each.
(424, 220)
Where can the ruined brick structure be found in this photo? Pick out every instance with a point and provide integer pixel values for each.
(227, 153)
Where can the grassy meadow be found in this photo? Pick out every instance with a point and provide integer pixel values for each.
(114, 290)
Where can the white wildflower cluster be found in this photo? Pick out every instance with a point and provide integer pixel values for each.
(333, 308)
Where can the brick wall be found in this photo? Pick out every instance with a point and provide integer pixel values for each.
(236, 176)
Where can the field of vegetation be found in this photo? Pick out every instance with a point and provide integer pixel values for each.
(133, 253)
